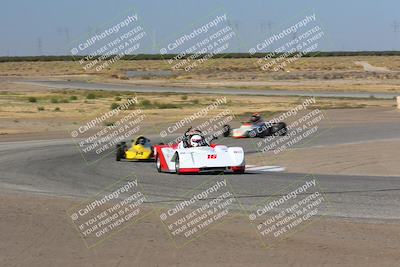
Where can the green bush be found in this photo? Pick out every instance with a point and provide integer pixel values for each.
(57, 109)
(114, 105)
(73, 97)
(145, 103)
(91, 96)
(109, 124)
(195, 101)
(40, 108)
(117, 98)
(32, 99)
(54, 100)
(164, 105)
(184, 97)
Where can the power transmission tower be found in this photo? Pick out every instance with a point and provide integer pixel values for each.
(396, 26)
(154, 41)
(40, 46)
(270, 24)
(262, 26)
(64, 32)
(237, 24)
(294, 36)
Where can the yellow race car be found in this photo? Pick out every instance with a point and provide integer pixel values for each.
(140, 150)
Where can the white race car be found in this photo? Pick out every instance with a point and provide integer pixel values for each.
(256, 127)
(195, 155)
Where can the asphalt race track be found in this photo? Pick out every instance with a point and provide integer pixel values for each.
(56, 167)
(158, 89)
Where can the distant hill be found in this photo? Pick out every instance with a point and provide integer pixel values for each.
(227, 55)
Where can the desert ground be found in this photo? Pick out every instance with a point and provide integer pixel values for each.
(346, 73)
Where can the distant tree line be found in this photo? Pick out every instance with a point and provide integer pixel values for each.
(227, 55)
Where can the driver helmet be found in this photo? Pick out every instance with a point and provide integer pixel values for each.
(141, 141)
(196, 140)
(255, 117)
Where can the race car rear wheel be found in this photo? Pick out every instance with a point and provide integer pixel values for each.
(177, 166)
(226, 130)
(120, 153)
(281, 129)
(239, 169)
(158, 164)
(252, 133)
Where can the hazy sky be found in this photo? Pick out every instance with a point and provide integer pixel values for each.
(50, 27)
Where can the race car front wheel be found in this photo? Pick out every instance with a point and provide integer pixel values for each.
(177, 166)
(226, 130)
(158, 164)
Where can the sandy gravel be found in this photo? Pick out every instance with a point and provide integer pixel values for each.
(37, 232)
(369, 67)
(378, 158)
